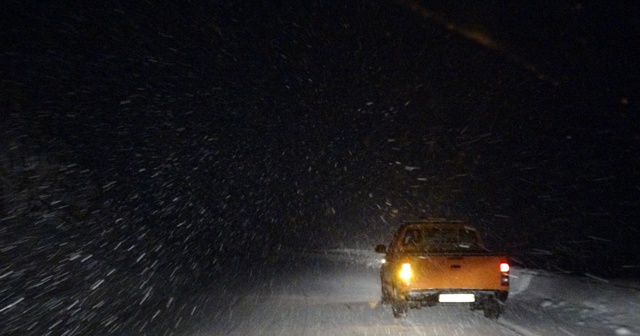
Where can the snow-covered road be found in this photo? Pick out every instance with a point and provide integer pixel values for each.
(337, 293)
(319, 294)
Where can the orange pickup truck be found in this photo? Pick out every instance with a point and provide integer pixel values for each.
(436, 261)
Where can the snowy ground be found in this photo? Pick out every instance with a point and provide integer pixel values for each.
(336, 292)
(551, 304)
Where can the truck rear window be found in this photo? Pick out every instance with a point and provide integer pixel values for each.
(417, 239)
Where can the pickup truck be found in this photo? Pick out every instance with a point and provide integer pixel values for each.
(433, 262)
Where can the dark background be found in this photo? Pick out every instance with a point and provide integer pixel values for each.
(148, 147)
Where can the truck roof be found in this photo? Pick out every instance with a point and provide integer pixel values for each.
(439, 223)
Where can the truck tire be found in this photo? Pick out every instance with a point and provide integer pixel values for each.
(502, 295)
(491, 308)
(399, 307)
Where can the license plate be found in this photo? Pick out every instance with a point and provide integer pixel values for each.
(457, 298)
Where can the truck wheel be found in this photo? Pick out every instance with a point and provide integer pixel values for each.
(491, 308)
(399, 309)
(502, 295)
(399, 306)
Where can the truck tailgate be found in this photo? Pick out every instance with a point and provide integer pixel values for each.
(463, 271)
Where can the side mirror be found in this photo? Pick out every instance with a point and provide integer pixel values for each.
(381, 249)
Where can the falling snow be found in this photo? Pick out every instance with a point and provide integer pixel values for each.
(163, 166)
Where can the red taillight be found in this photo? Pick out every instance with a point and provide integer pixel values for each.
(504, 267)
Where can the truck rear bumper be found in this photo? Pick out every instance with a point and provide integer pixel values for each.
(433, 296)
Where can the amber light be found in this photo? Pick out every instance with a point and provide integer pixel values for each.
(504, 267)
(405, 272)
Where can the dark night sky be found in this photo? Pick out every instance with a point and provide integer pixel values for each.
(332, 116)
(180, 134)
